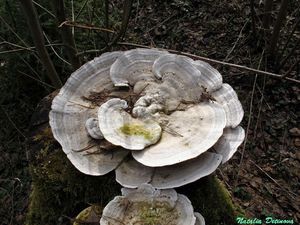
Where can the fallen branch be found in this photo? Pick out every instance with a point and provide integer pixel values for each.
(74, 24)
(127, 6)
(37, 36)
(290, 193)
(249, 122)
(218, 62)
(277, 27)
(204, 59)
(21, 48)
(66, 33)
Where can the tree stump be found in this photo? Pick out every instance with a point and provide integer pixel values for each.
(59, 191)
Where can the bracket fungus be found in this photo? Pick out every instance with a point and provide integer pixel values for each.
(152, 116)
(147, 205)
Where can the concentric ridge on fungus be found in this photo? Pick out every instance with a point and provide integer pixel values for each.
(168, 120)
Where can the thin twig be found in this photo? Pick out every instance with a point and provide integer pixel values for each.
(66, 34)
(81, 9)
(137, 11)
(253, 16)
(277, 27)
(290, 36)
(84, 149)
(161, 23)
(280, 186)
(13, 44)
(261, 92)
(21, 48)
(171, 131)
(260, 104)
(34, 72)
(10, 12)
(88, 51)
(274, 75)
(37, 35)
(73, 17)
(11, 29)
(12, 122)
(30, 67)
(106, 18)
(62, 59)
(80, 104)
(127, 6)
(237, 40)
(267, 14)
(223, 178)
(292, 67)
(42, 7)
(283, 62)
(42, 82)
(249, 120)
(12, 204)
(89, 27)
(210, 61)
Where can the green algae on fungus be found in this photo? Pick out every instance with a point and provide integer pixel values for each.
(91, 214)
(157, 213)
(137, 130)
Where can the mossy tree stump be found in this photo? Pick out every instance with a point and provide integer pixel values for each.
(59, 191)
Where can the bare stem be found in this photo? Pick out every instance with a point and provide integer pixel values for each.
(249, 121)
(267, 14)
(290, 36)
(81, 9)
(66, 33)
(274, 75)
(283, 62)
(292, 67)
(39, 41)
(83, 26)
(125, 19)
(253, 17)
(278, 24)
(106, 18)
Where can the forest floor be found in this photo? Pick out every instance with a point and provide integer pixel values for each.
(263, 176)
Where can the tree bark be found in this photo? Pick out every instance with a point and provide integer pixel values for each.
(37, 35)
(267, 15)
(277, 27)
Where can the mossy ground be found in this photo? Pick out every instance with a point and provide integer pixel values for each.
(60, 191)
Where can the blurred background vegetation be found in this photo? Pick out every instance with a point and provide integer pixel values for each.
(257, 34)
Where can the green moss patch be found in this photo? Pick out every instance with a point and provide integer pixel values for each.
(159, 213)
(137, 130)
